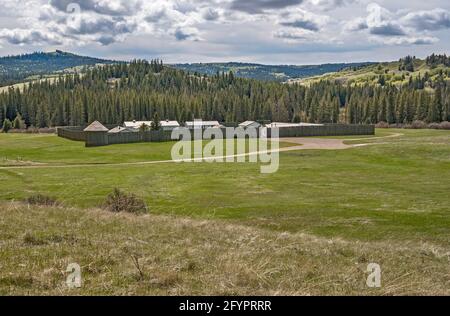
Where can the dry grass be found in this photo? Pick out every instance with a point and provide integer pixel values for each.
(42, 200)
(125, 254)
(119, 201)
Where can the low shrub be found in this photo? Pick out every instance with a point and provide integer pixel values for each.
(382, 125)
(418, 124)
(119, 201)
(444, 125)
(434, 125)
(40, 199)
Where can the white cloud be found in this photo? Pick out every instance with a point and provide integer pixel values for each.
(107, 22)
(425, 40)
(293, 35)
(357, 24)
(428, 20)
(301, 19)
(396, 28)
(328, 5)
(26, 36)
(243, 28)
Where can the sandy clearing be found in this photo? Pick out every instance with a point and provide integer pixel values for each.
(316, 143)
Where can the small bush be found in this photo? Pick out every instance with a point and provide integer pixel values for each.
(444, 125)
(418, 124)
(40, 199)
(382, 125)
(119, 201)
(434, 125)
(7, 125)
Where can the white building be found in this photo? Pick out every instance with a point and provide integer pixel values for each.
(199, 124)
(165, 125)
(120, 129)
(280, 125)
(248, 124)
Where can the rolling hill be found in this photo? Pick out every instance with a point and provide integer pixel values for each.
(397, 72)
(14, 69)
(279, 73)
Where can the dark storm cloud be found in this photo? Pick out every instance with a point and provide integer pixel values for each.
(258, 6)
(387, 30)
(180, 35)
(302, 24)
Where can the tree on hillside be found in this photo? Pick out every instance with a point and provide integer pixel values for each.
(18, 122)
(42, 116)
(1, 116)
(7, 125)
(296, 118)
(156, 122)
(435, 106)
(148, 87)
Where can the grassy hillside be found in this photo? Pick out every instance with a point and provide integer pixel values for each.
(390, 71)
(265, 72)
(168, 255)
(17, 68)
(216, 228)
(357, 194)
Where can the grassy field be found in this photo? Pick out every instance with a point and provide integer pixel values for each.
(280, 233)
(38, 149)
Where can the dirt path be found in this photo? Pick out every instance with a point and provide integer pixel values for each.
(316, 143)
(304, 143)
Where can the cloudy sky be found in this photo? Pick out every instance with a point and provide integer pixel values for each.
(264, 31)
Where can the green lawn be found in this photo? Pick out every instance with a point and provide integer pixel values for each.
(397, 189)
(20, 149)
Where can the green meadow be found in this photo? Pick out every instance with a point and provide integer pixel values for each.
(395, 188)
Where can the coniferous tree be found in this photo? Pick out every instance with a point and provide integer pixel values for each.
(7, 125)
(156, 122)
(143, 88)
(18, 122)
(434, 107)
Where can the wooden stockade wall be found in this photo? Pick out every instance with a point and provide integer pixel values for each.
(325, 130)
(149, 136)
(72, 133)
(103, 138)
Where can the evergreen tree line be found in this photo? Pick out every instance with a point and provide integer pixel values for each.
(116, 93)
(434, 60)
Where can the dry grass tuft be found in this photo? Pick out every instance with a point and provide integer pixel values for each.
(42, 200)
(119, 201)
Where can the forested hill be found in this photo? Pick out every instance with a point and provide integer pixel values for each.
(397, 73)
(17, 68)
(119, 92)
(279, 73)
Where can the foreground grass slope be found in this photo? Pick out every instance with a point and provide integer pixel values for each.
(153, 254)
